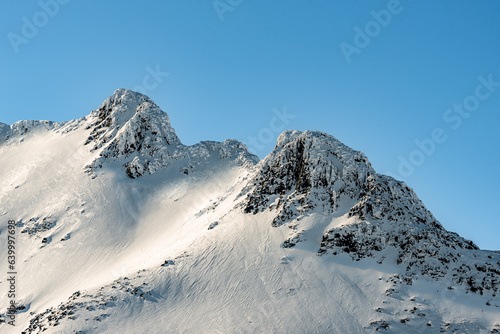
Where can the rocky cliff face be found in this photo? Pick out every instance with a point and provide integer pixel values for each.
(393, 225)
(21, 128)
(312, 172)
(306, 170)
(129, 127)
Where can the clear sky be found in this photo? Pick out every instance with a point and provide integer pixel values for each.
(378, 75)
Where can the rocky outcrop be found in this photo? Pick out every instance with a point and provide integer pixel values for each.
(129, 127)
(22, 128)
(311, 172)
(306, 170)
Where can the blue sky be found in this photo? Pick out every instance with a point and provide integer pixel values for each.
(378, 75)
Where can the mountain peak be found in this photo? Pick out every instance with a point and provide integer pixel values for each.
(128, 113)
(129, 126)
(318, 140)
(125, 109)
(307, 169)
(125, 101)
(312, 174)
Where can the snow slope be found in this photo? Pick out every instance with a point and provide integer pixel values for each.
(121, 228)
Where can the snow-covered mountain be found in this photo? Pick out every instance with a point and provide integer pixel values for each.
(121, 228)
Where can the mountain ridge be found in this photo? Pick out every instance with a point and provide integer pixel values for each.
(208, 229)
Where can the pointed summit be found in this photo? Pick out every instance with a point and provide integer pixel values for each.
(363, 214)
(131, 128)
(131, 115)
(307, 169)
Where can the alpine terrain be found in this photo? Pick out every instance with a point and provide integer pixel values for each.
(116, 226)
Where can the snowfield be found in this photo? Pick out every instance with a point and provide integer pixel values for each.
(121, 228)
